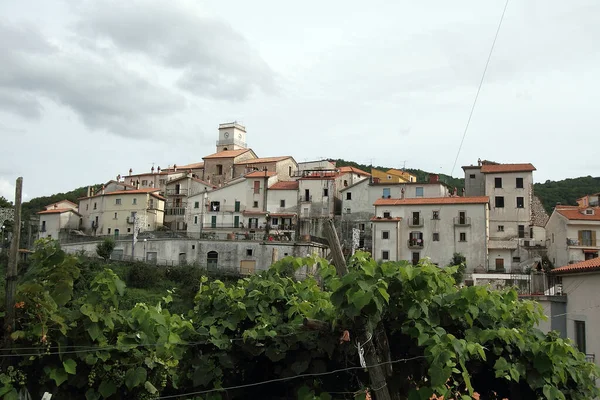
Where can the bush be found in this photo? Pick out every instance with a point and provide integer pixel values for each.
(144, 276)
(105, 249)
(461, 262)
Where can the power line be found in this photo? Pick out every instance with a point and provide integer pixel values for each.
(479, 88)
(288, 378)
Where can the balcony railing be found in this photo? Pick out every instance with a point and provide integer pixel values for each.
(582, 243)
(462, 221)
(131, 220)
(305, 199)
(415, 243)
(590, 358)
(175, 211)
(415, 222)
(176, 192)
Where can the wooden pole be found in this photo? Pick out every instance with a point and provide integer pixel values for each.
(377, 373)
(11, 270)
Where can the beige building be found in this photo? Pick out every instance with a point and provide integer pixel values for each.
(219, 167)
(120, 212)
(282, 205)
(411, 229)
(58, 217)
(177, 193)
(572, 234)
(510, 189)
(283, 166)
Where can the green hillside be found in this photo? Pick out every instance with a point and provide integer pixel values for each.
(566, 191)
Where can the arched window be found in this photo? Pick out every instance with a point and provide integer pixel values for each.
(212, 259)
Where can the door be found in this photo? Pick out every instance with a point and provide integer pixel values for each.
(499, 264)
(462, 218)
(416, 256)
(256, 187)
(237, 206)
(182, 258)
(415, 218)
(212, 260)
(306, 195)
(213, 221)
(116, 234)
(236, 221)
(177, 188)
(253, 223)
(247, 267)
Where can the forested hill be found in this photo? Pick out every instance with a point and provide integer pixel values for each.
(566, 191)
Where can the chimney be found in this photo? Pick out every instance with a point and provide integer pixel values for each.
(89, 191)
(137, 184)
(158, 169)
(175, 167)
(152, 169)
(102, 190)
(130, 171)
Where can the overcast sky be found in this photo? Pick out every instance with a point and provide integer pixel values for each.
(89, 89)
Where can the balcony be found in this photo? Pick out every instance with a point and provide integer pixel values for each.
(176, 192)
(583, 243)
(415, 243)
(415, 222)
(175, 211)
(131, 220)
(305, 199)
(590, 358)
(462, 221)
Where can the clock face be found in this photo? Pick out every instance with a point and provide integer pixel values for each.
(226, 134)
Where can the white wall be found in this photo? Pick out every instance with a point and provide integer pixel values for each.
(509, 216)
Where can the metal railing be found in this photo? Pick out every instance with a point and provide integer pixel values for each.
(175, 211)
(415, 243)
(584, 242)
(305, 199)
(462, 221)
(590, 358)
(415, 222)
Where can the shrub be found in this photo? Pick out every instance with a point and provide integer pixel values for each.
(105, 248)
(144, 276)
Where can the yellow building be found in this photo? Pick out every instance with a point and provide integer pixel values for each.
(392, 176)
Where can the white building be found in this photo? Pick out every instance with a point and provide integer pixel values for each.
(58, 217)
(572, 233)
(177, 192)
(410, 229)
(510, 189)
(282, 205)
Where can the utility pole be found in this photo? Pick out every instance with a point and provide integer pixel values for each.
(11, 270)
(373, 358)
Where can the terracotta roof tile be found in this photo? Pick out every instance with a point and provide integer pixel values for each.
(264, 160)
(197, 165)
(583, 266)
(433, 200)
(346, 170)
(574, 213)
(151, 191)
(260, 174)
(61, 201)
(285, 185)
(227, 154)
(500, 168)
(57, 211)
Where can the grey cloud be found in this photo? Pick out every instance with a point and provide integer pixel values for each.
(106, 95)
(213, 59)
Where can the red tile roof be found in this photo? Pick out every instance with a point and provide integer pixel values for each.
(381, 219)
(197, 165)
(285, 185)
(264, 160)
(583, 266)
(500, 168)
(151, 191)
(260, 174)
(227, 154)
(192, 178)
(574, 213)
(320, 176)
(433, 200)
(353, 170)
(57, 211)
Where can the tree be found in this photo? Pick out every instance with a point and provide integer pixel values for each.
(105, 248)
(460, 262)
(4, 203)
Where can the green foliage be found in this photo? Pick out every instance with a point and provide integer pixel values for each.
(566, 191)
(460, 262)
(455, 341)
(142, 275)
(105, 248)
(4, 203)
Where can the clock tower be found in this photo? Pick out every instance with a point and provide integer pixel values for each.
(232, 136)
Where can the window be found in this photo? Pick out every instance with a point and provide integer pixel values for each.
(462, 217)
(500, 228)
(249, 252)
(580, 335)
(419, 191)
(274, 221)
(361, 227)
(587, 238)
(215, 206)
(436, 237)
(519, 183)
(520, 202)
(385, 255)
(499, 200)
(436, 215)
(348, 195)
(162, 181)
(196, 204)
(530, 232)
(195, 220)
(219, 169)
(521, 230)
(87, 207)
(193, 247)
(43, 226)
(472, 176)
(386, 192)
(348, 210)
(289, 171)
(128, 230)
(325, 192)
(463, 237)
(118, 202)
(345, 183)
(387, 214)
(256, 187)
(108, 231)
(281, 203)
(115, 216)
(144, 183)
(385, 234)
(95, 206)
(255, 204)
(589, 212)
(498, 183)
(553, 242)
(134, 201)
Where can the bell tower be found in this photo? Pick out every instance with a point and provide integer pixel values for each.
(232, 136)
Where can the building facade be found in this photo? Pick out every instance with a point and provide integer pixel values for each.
(58, 217)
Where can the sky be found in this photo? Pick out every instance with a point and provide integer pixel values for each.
(90, 89)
